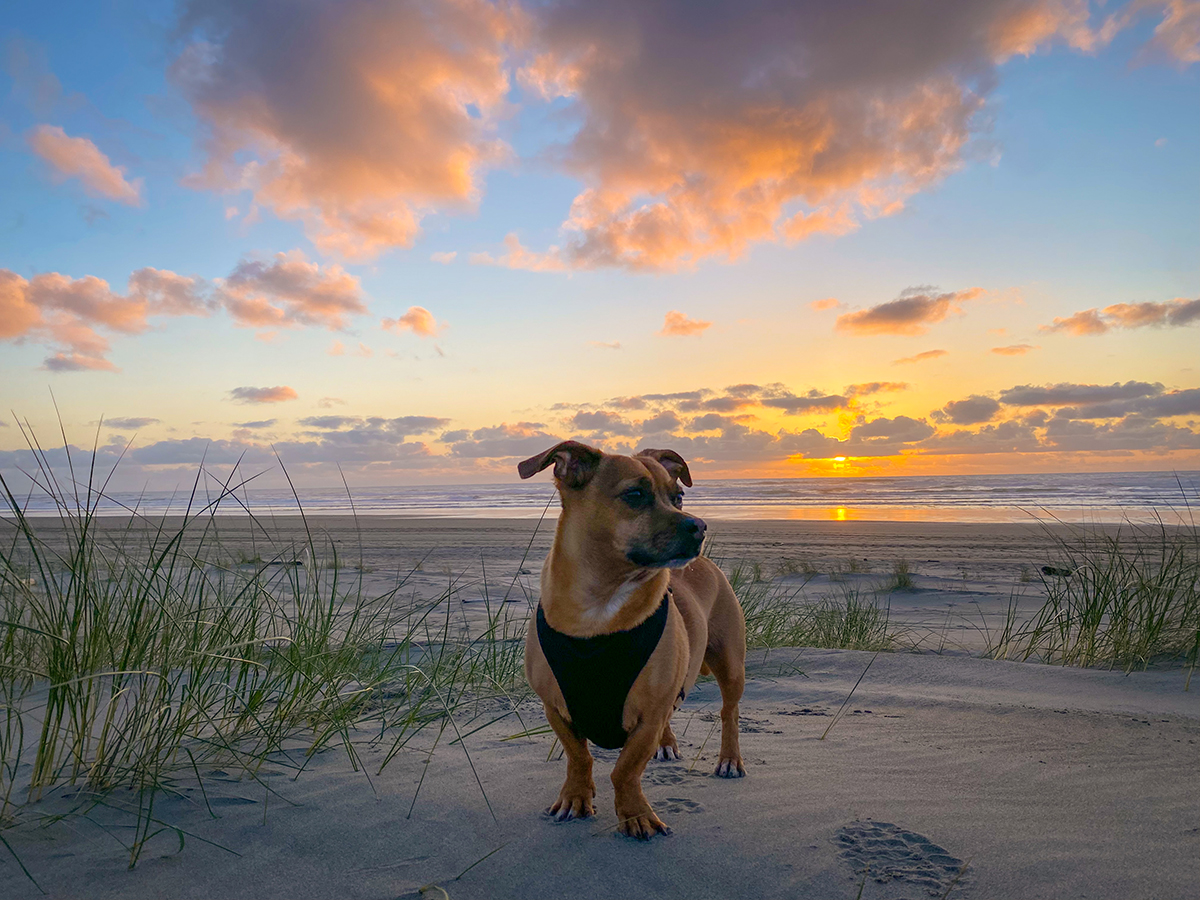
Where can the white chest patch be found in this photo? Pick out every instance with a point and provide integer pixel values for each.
(599, 615)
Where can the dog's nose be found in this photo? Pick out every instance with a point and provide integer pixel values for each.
(694, 527)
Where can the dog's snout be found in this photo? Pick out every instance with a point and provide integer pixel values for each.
(694, 527)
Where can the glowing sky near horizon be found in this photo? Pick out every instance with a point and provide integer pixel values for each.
(423, 240)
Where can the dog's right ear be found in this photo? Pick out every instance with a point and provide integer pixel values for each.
(574, 463)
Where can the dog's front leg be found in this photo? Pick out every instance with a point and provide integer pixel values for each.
(635, 817)
(575, 799)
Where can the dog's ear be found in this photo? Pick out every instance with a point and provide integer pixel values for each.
(672, 462)
(574, 463)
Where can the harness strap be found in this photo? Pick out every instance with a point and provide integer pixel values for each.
(596, 674)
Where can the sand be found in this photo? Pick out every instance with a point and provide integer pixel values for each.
(945, 772)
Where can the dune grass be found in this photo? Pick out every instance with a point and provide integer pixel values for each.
(132, 657)
(1124, 599)
(848, 619)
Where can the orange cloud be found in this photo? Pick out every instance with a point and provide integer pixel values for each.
(290, 291)
(277, 394)
(920, 357)
(1014, 349)
(377, 115)
(704, 132)
(827, 303)
(76, 157)
(418, 320)
(911, 313)
(1170, 314)
(676, 324)
(66, 312)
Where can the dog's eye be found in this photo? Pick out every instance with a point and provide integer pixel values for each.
(637, 497)
(677, 500)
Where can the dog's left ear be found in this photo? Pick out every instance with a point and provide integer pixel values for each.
(672, 462)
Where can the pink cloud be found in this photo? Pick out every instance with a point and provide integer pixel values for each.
(290, 291)
(910, 314)
(66, 313)
(277, 394)
(704, 132)
(920, 357)
(380, 114)
(827, 303)
(676, 324)
(1170, 314)
(76, 157)
(418, 320)
(1014, 349)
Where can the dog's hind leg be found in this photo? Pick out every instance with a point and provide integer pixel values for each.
(668, 745)
(575, 799)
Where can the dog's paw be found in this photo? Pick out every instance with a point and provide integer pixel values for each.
(730, 768)
(572, 805)
(642, 826)
(668, 752)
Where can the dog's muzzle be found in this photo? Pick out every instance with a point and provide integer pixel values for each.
(676, 547)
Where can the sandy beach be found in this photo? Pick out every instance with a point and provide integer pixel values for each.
(944, 774)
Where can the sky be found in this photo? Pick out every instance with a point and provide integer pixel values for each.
(416, 242)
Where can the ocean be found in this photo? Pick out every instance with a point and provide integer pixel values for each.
(1106, 497)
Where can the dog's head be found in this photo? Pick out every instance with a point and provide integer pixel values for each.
(629, 507)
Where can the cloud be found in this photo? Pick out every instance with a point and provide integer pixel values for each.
(353, 428)
(901, 429)
(605, 345)
(33, 82)
(676, 324)
(827, 303)
(602, 422)
(418, 320)
(288, 291)
(1171, 314)
(1067, 394)
(704, 130)
(1176, 38)
(68, 313)
(76, 157)
(1015, 349)
(1165, 405)
(377, 114)
(876, 387)
(504, 441)
(444, 258)
(277, 394)
(257, 423)
(920, 357)
(910, 314)
(518, 257)
(130, 422)
(971, 411)
(328, 402)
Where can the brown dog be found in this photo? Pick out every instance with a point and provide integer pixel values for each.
(625, 584)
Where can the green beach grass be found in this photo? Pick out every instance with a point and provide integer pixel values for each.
(132, 659)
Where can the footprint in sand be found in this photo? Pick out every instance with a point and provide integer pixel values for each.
(678, 805)
(663, 776)
(891, 855)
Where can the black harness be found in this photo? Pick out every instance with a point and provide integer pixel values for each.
(596, 674)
